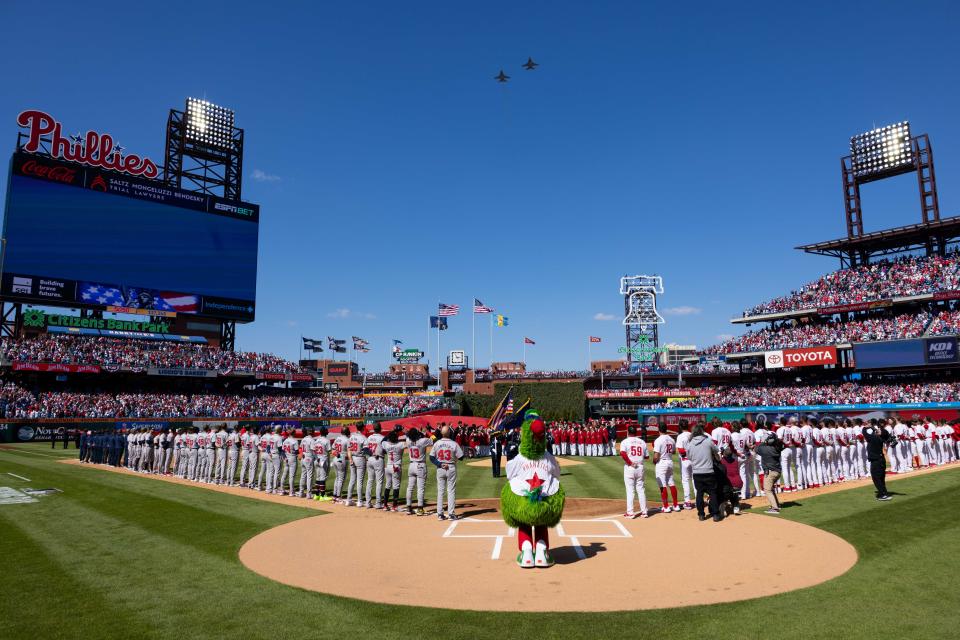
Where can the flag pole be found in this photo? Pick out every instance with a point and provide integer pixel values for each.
(428, 345)
(490, 365)
(524, 352)
(473, 333)
(589, 352)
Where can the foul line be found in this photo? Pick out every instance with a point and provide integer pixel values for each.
(16, 476)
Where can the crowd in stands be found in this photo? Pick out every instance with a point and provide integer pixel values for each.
(946, 323)
(847, 393)
(909, 276)
(91, 350)
(16, 402)
(906, 325)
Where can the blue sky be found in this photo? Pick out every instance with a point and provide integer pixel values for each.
(699, 141)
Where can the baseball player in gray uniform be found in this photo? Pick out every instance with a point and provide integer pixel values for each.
(166, 450)
(263, 446)
(357, 456)
(146, 450)
(417, 445)
(132, 450)
(249, 450)
(220, 449)
(444, 456)
(192, 445)
(393, 465)
(274, 441)
(375, 467)
(178, 453)
(340, 447)
(233, 444)
(291, 449)
(209, 456)
(321, 449)
(307, 464)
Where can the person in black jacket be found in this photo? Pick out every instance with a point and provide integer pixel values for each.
(876, 437)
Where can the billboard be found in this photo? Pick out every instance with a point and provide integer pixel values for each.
(80, 236)
(805, 357)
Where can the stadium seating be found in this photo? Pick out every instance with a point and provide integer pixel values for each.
(847, 393)
(876, 281)
(17, 402)
(66, 349)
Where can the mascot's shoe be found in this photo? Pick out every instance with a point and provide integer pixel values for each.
(543, 557)
(525, 557)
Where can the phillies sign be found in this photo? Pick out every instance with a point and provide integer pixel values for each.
(92, 149)
(808, 357)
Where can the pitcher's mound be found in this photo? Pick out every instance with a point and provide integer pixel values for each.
(602, 563)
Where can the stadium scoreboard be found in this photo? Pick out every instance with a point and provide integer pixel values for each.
(81, 236)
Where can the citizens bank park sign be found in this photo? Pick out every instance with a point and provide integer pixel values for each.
(92, 148)
(809, 357)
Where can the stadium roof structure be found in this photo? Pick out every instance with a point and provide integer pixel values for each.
(933, 236)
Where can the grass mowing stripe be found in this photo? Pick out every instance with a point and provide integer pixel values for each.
(42, 578)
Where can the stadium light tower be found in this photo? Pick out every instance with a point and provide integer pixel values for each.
(885, 152)
(204, 150)
(641, 320)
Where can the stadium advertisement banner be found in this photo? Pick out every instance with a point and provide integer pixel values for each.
(941, 350)
(182, 373)
(55, 367)
(856, 306)
(296, 377)
(79, 236)
(153, 426)
(806, 357)
(648, 393)
(339, 369)
(127, 335)
(946, 295)
(40, 319)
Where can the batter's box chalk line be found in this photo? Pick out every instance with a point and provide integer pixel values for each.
(621, 532)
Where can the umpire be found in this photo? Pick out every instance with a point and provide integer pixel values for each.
(875, 438)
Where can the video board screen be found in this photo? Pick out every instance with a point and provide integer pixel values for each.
(81, 236)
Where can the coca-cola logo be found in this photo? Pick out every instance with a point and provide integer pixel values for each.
(55, 174)
(93, 149)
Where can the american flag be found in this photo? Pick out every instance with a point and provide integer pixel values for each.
(528, 341)
(479, 307)
(110, 295)
(448, 309)
(594, 339)
(94, 293)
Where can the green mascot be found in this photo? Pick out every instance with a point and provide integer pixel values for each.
(532, 500)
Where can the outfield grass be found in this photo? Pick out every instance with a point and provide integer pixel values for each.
(116, 556)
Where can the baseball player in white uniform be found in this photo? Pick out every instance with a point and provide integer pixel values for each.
(375, 468)
(759, 436)
(444, 456)
(357, 457)
(902, 434)
(787, 457)
(738, 440)
(686, 466)
(663, 450)
(807, 427)
(797, 439)
(417, 445)
(393, 465)
(633, 450)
